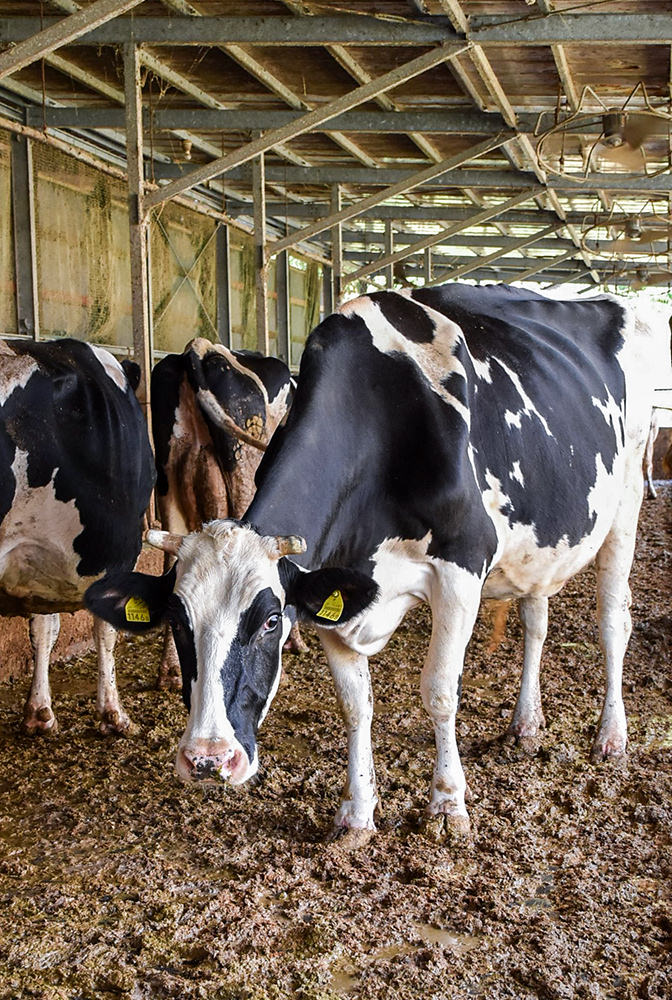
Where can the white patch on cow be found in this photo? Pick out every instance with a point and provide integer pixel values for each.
(435, 359)
(36, 542)
(517, 474)
(15, 370)
(528, 409)
(214, 600)
(112, 367)
(403, 570)
(482, 369)
(512, 419)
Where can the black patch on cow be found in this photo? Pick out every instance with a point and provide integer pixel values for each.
(183, 634)
(167, 377)
(307, 592)
(370, 451)
(251, 667)
(79, 428)
(133, 372)
(405, 316)
(109, 596)
(273, 373)
(563, 354)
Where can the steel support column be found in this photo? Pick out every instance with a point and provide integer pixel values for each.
(336, 249)
(25, 256)
(388, 251)
(138, 226)
(223, 282)
(260, 270)
(282, 290)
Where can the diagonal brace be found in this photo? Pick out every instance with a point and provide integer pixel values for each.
(63, 32)
(311, 120)
(415, 180)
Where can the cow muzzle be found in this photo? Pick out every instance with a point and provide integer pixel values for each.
(213, 763)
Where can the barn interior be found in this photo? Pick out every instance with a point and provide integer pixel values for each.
(233, 169)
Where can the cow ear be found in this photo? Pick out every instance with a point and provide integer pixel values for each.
(134, 602)
(330, 596)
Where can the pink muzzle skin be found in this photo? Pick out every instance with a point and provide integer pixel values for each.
(212, 763)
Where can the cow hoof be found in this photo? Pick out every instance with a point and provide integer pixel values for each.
(351, 838)
(605, 749)
(115, 723)
(446, 828)
(40, 722)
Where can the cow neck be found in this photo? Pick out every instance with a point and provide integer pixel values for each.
(316, 478)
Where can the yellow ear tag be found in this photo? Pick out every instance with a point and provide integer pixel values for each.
(332, 607)
(136, 610)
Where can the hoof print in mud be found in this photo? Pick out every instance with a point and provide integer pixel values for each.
(446, 828)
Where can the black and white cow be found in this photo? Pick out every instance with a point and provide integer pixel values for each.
(77, 474)
(444, 445)
(213, 412)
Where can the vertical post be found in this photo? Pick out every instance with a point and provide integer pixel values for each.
(223, 281)
(138, 226)
(25, 255)
(428, 264)
(389, 250)
(336, 249)
(259, 195)
(282, 289)
(327, 290)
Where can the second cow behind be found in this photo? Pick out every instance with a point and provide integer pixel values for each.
(213, 412)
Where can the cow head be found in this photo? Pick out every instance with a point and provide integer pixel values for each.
(230, 599)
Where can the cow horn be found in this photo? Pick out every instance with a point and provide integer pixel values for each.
(290, 545)
(221, 418)
(166, 540)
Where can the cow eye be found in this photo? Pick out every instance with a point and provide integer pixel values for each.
(270, 623)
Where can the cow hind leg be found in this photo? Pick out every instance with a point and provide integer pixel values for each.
(613, 564)
(528, 717)
(454, 611)
(38, 717)
(350, 672)
(113, 718)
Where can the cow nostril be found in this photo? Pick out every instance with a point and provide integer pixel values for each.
(215, 767)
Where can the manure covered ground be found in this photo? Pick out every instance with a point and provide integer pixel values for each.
(118, 882)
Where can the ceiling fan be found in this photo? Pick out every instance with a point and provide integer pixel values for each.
(646, 233)
(598, 137)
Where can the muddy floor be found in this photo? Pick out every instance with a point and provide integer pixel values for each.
(118, 882)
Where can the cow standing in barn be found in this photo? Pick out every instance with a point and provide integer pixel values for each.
(444, 445)
(213, 412)
(78, 475)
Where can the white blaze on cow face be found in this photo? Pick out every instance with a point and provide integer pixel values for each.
(229, 628)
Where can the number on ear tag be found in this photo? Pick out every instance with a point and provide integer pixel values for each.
(332, 609)
(136, 610)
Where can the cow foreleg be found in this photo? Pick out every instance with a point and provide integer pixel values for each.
(113, 718)
(170, 675)
(350, 672)
(38, 716)
(528, 717)
(615, 624)
(454, 612)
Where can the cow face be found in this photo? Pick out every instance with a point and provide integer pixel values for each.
(230, 600)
